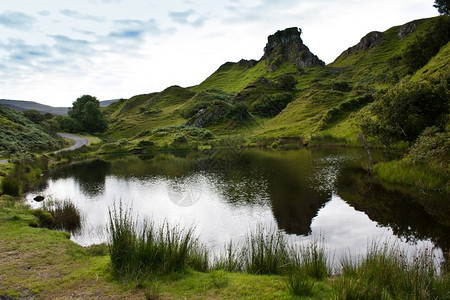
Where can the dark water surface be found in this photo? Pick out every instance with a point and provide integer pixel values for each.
(304, 193)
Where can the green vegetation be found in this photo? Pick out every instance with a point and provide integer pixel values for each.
(426, 166)
(443, 6)
(386, 272)
(392, 86)
(84, 116)
(28, 252)
(152, 250)
(405, 111)
(18, 134)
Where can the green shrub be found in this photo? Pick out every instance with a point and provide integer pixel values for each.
(45, 218)
(270, 106)
(11, 186)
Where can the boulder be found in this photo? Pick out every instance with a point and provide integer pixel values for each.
(39, 198)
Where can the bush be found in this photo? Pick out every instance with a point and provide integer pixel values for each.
(270, 106)
(11, 186)
(405, 111)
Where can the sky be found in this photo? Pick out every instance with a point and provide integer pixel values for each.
(54, 51)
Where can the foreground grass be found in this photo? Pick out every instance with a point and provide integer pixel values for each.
(45, 264)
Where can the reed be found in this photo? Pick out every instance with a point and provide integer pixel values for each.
(151, 249)
(388, 272)
(265, 252)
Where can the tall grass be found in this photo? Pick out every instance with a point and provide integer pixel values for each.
(11, 186)
(385, 272)
(265, 252)
(310, 259)
(66, 215)
(388, 272)
(151, 249)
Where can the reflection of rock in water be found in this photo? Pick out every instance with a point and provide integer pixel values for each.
(411, 215)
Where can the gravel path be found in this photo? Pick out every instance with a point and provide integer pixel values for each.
(79, 142)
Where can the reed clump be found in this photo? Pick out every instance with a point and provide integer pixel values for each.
(141, 250)
(387, 272)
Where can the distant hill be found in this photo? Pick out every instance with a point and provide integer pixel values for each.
(21, 105)
(105, 103)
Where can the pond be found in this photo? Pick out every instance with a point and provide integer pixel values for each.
(226, 195)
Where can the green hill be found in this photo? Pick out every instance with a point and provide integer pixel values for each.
(18, 134)
(289, 92)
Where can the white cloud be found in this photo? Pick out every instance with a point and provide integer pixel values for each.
(53, 52)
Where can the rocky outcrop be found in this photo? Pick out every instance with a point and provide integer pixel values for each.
(366, 43)
(247, 63)
(406, 30)
(286, 45)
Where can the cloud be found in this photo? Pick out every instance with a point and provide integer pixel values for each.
(66, 45)
(187, 17)
(44, 13)
(131, 29)
(79, 16)
(17, 20)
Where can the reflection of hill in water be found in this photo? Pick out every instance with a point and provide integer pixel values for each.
(293, 201)
(413, 216)
(292, 184)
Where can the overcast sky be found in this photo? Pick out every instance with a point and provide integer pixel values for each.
(53, 51)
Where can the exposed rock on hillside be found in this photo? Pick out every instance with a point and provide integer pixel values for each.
(406, 29)
(286, 45)
(366, 43)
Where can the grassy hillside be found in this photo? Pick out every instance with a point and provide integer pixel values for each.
(254, 99)
(18, 134)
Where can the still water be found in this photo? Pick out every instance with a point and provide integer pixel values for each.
(303, 193)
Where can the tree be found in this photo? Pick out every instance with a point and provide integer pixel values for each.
(86, 112)
(443, 6)
(405, 111)
(34, 116)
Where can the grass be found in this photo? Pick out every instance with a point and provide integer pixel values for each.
(42, 263)
(66, 216)
(421, 176)
(153, 249)
(387, 272)
(11, 186)
(265, 252)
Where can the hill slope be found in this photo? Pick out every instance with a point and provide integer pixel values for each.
(289, 92)
(18, 134)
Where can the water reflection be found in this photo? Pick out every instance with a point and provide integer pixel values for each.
(89, 176)
(301, 192)
(413, 216)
